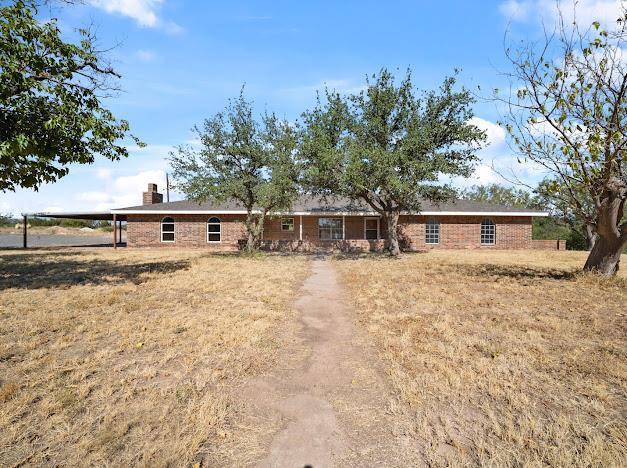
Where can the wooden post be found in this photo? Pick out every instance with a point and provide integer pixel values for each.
(343, 228)
(115, 244)
(25, 231)
(120, 231)
(300, 236)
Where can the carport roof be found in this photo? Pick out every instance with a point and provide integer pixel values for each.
(92, 215)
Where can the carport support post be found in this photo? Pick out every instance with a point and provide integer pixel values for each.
(25, 231)
(120, 231)
(115, 234)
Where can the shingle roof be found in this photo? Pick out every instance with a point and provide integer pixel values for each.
(308, 204)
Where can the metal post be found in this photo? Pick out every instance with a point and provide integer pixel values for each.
(115, 244)
(25, 231)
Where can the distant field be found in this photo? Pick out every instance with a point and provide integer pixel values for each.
(501, 358)
(128, 357)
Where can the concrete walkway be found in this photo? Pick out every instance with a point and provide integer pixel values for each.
(333, 402)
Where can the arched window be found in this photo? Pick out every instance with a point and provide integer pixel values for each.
(488, 232)
(432, 232)
(214, 230)
(167, 230)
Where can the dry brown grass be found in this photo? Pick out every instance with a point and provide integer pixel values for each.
(129, 357)
(501, 358)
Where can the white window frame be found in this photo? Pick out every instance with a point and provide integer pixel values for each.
(432, 222)
(287, 230)
(173, 231)
(492, 225)
(219, 223)
(334, 218)
(378, 226)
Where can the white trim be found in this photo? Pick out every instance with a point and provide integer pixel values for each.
(293, 222)
(329, 217)
(378, 226)
(492, 224)
(437, 222)
(173, 232)
(326, 214)
(219, 223)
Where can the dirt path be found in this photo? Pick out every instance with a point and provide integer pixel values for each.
(330, 396)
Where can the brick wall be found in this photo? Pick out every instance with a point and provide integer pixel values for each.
(456, 232)
(464, 232)
(189, 231)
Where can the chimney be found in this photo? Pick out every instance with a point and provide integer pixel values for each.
(152, 196)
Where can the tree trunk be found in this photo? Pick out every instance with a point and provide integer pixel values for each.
(591, 236)
(252, 231)
(605, 255)
(392, 224)
(611, 234)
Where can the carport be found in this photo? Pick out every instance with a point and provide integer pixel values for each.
(86, 215)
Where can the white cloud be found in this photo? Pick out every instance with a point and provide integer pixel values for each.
(145, 55)
(103, 173)
(144, 12)
(547, 11)
(495, 133)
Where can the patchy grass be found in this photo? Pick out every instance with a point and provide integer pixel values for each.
(501, 358)
(130, 357)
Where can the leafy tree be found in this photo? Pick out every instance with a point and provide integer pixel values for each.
(51, 93)
(568, 117)
(387, 146)
(241, 159)
(581, 219)
(501, 195)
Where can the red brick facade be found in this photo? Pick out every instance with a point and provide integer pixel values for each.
(456, 232)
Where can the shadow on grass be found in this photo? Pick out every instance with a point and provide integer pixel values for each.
(55, 271)
(515, 271)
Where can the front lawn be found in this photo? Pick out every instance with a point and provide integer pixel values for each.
(501, 358)
(128, 357)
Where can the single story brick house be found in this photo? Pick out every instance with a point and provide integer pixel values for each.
(339, 224)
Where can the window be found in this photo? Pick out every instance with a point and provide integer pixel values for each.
(167, 230)
(371, 228)
(488, 232)
(214, 230)
(330, 228)
(432, 232)
(287, 224)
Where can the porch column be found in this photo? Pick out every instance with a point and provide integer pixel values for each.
(300, 234)
(115, 224)
(343, 227)
(120, 231)
(25, 231)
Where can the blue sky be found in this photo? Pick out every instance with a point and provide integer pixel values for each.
(182, 60)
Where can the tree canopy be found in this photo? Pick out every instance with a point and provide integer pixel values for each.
(51, 101)
(241, 158)
(568, 116)
(389, 145)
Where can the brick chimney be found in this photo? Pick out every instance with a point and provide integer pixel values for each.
(152, 196)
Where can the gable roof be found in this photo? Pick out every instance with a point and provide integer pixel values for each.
(309, 205)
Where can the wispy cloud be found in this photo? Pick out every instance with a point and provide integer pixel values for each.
(146, 55)
(548, 11)
(144, 12)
